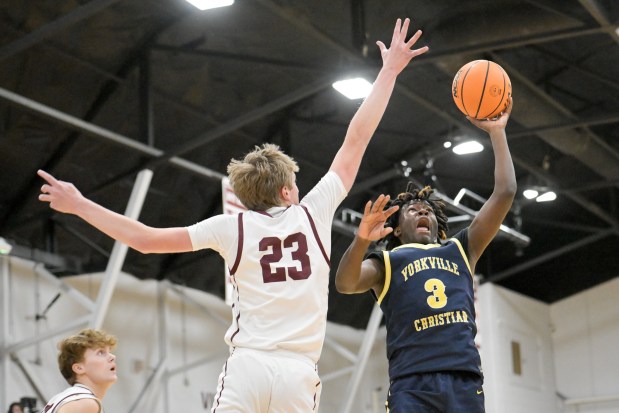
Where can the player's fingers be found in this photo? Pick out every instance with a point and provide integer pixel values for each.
(384, 202)
(49, 178)
(378, 204)
(381, 46)
(414, 39)
(367, 207)
(510, 105)
(396, 31)
(420, 51)
(404, 30)
(386, 231)
(391, 210)
(44, 198)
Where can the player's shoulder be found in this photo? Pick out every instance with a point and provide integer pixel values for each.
(86, 405)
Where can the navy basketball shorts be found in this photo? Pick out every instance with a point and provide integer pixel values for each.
(443, 392)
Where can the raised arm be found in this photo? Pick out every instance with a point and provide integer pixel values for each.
(66, 198)
(355, 275)
(366, 120)
(487, 222)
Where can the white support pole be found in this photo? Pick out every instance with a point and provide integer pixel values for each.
(119, 252)
(332, 375)
(364, 353)
(162, 288)
(31, 377)
(4, 329)
(340, 349)
(158, 376)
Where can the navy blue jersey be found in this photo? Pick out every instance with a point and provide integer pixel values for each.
(429, 308)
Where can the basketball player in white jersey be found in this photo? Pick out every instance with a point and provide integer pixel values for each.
(86, 362)
(277, 253)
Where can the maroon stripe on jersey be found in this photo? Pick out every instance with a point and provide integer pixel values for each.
(238, 328)
(239, 248)
(238, 317)
(223, 378)
(315, 231)
(316, 395)
(53, 406)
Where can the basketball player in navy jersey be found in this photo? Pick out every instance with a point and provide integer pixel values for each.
(88, 365)
(423, 282)
(277, 253)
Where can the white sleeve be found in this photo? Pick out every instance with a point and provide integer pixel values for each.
(218, 233)
(325, 197)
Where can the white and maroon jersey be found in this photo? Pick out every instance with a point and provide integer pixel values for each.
(76, 392)
(279, 264)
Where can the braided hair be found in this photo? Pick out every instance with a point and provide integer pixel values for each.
(413, 194)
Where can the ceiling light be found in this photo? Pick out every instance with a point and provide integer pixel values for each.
(356, 88)
(210, 4)
(468, 147)
(547, 196)
(530, 193)
(447, 144)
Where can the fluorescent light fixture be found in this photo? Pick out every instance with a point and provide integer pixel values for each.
(530, 193)
(210, 4)
(5, 247)
(468, 147)
(447, 144)
(547, 196)
(356, 88)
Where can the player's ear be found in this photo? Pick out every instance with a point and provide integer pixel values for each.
(284, 193)
(397, 232)
(78, 368)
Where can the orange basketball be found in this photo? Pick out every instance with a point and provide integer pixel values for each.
(481, 89)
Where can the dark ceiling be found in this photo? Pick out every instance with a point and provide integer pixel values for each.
(94, 91)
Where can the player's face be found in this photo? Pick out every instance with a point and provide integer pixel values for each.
(99, 366)
(418, 223)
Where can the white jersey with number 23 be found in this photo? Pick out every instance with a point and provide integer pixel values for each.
(279, 264)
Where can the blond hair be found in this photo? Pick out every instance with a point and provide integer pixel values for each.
(258, 178)
(72, 350)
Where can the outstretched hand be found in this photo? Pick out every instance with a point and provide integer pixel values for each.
(399, 53)
(372, 226)
(500, 122)
(62, 196)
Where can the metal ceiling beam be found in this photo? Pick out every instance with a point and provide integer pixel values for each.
(93, 130)
(592, 152)
(38, 35)
(239, 57)
(500, 276)
(600, 14)
(520, 41)
(248, 117)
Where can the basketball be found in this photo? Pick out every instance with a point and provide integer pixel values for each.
(481, 89)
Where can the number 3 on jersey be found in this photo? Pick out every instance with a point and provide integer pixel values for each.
(438, 299)
(271, 271)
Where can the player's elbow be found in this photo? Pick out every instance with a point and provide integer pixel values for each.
(508, 191)
(141, 246)
(344, 286)
(145, 243)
